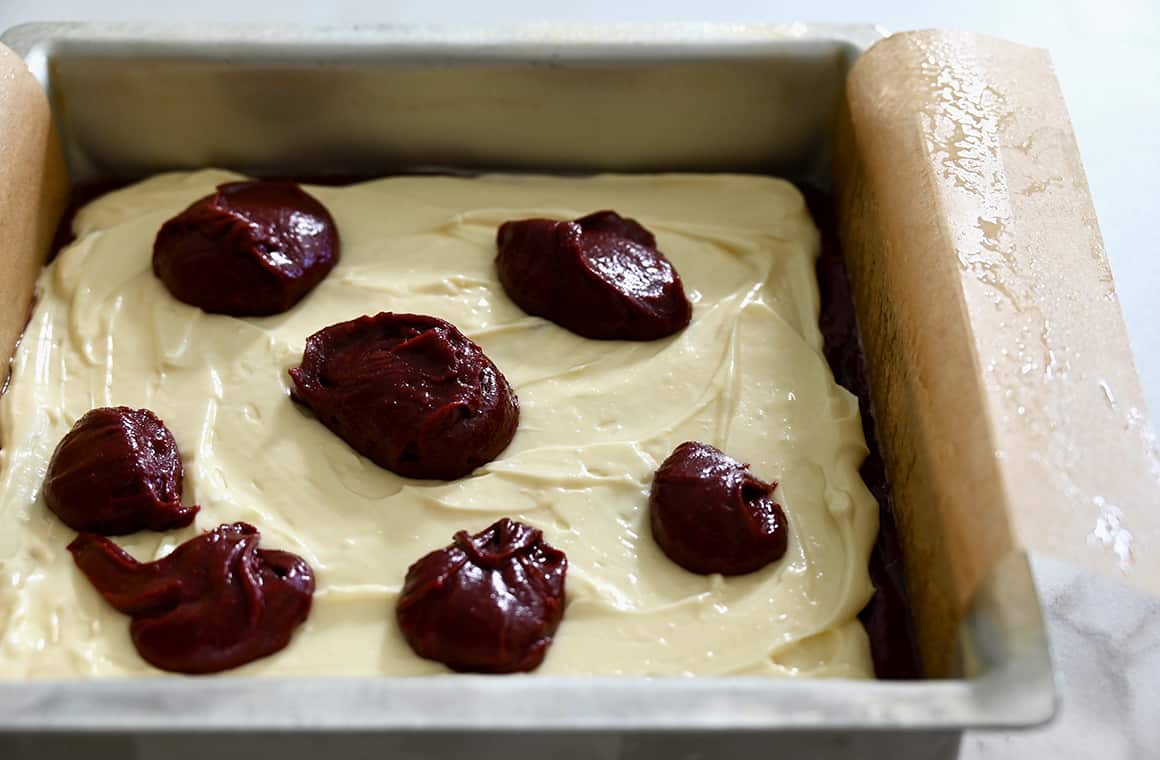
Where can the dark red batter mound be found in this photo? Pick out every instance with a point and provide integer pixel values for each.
(709, 514)
(117, 471)
(250, 249)
(215, 603)
(488, 603)
(409, 392)
(600, 276)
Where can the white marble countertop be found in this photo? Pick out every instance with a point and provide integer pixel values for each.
(1105, 639)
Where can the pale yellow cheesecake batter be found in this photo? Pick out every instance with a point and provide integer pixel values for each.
(596, 418)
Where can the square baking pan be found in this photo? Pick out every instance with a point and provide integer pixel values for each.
(131, 100)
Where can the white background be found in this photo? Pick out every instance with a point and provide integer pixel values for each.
(1107, 56)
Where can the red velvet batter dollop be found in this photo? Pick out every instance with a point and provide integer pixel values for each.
(250, 249)
(215, 603)
(600, 276)
(410, 392)
(117, 471)
(488, 603)
(709, 514)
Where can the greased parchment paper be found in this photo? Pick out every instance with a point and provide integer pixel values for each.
(1009, 408)
(33, 191)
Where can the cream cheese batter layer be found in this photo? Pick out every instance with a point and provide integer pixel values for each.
(597, 417)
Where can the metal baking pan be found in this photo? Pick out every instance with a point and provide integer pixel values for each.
(130, 100)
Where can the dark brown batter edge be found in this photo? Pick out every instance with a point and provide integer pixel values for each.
(887, 616)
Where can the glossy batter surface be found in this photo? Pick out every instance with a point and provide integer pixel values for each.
(597, 417)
